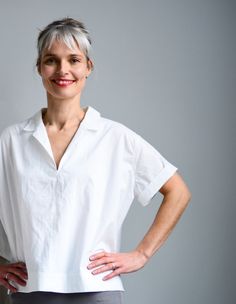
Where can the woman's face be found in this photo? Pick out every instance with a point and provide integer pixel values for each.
(63, 71)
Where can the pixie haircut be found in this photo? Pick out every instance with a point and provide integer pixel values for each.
(70, 31)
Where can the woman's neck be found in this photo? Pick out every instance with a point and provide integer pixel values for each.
(63, 117)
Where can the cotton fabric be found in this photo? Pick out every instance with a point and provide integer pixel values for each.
(54, 219)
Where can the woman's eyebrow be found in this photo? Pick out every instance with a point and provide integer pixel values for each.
(51, 54)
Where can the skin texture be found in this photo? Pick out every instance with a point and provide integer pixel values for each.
(62, 117)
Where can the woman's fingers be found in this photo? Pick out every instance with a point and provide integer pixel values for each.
(99, 262)
(7, 285)
(16, 278)
(20, 265)
(16, 273)
(111, 275)
(106, 267)
(17, 264)
(118, 263)
(99, 255)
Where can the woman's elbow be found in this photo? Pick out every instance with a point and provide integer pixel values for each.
(176, 186)
(187, 195)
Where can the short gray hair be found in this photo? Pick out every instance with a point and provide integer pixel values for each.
(67, 30)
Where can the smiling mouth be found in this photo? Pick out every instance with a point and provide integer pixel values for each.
(63, 83)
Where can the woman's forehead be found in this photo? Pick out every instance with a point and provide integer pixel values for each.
(58, 47)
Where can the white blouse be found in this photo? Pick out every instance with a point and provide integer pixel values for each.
(54, 219)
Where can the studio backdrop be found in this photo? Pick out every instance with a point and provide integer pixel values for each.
(165, 69)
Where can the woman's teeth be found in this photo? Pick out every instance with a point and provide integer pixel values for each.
(65, 82)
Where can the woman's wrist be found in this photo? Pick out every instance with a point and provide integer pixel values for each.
(145, 257)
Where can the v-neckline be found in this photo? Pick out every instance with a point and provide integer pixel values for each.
(57, 167)
(47, 144)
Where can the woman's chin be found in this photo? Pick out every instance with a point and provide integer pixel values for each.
(61, 95)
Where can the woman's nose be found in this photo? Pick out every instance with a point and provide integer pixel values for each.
(62, 68)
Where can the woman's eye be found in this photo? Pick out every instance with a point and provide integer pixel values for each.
(49, 61)
(52, 61)
(74, 60)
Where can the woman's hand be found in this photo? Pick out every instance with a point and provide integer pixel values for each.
(16, 272)
(118, 263)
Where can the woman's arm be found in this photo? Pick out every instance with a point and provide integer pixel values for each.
(176, 198)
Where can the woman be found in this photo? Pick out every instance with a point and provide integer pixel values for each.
(68, 177)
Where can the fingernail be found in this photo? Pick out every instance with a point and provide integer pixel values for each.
(92, 257)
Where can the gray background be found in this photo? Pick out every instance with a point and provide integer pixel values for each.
(166, 69)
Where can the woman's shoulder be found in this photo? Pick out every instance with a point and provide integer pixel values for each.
(121, 134)
(119, 128)
(12, 129)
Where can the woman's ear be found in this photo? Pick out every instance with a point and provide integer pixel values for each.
(90, 66)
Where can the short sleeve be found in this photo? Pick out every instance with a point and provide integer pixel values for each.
(152, 170)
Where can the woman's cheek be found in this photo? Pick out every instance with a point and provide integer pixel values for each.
(80, 75)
